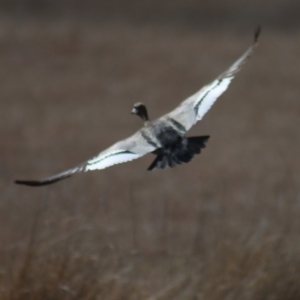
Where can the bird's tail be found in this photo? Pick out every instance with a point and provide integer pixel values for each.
(181, 155)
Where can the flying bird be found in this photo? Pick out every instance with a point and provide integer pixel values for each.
(165, 137)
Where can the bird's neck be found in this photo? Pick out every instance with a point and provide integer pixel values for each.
(144, 116)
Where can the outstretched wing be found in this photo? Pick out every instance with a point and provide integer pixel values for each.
(196, 106)
(126, 150)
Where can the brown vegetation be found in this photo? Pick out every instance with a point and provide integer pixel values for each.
(225, 226)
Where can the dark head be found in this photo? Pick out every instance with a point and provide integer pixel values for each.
(140, 110)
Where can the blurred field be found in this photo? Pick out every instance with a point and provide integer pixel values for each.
(225, 226)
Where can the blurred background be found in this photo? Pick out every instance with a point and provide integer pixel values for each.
(225, 226)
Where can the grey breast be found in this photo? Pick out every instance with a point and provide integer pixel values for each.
(164, 132)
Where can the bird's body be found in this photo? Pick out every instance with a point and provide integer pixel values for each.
(169, 138)
(166, 136)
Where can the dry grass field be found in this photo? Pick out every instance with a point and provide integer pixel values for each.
(225, 226)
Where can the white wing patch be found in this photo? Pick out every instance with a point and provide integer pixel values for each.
(210, 93)
(110, 159)
(123, 151)
(196, 106)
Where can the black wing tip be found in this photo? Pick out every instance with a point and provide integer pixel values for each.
(257, 33)
(30, 182)
(53, 179)
(40, 182)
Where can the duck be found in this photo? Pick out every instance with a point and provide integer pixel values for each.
(165, 137)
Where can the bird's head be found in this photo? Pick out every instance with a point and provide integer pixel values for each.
(140, 110)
